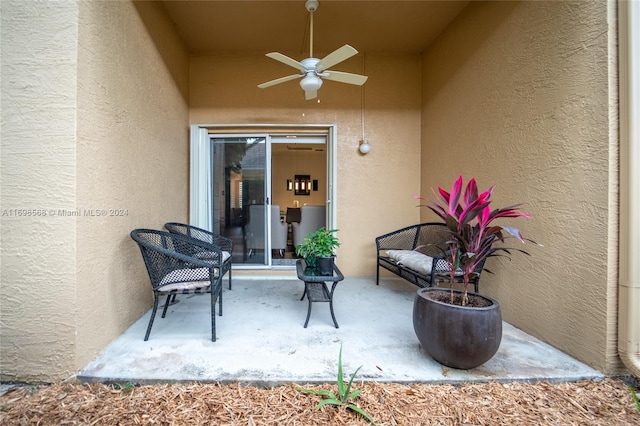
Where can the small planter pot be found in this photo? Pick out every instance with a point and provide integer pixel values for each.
(457, 336)
(325, 265)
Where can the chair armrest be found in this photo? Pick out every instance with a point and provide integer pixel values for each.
(179, 247)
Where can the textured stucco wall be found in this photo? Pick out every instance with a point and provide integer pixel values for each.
(518, 94)
(132, 158)
(37, 290)
(94, 144)
(374, 191)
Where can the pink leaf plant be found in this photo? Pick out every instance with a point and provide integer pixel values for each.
(469, 220)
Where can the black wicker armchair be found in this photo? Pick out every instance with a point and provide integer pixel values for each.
(178, 264)
(225, 244)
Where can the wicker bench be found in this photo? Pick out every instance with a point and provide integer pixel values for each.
(415, 253)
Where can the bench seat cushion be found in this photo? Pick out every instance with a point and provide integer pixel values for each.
(412, 259)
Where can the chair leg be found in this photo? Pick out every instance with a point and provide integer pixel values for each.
(378, 274)
(166, 305)
(213, 314)
(229, 277)
(153, 315)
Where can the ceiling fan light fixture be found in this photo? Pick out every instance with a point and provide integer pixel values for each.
(310, 83)
(313, 70)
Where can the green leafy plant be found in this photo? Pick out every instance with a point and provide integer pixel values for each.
(469, 220)
(126, 387)
(321, 243)
(634, 395)
(345, 394)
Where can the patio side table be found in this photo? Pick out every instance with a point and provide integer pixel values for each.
(315, 286)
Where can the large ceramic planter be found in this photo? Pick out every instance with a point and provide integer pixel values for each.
(456, 336)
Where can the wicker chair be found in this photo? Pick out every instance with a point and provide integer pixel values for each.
(178, 264)
(225, 244)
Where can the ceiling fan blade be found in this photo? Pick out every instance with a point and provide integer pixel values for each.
(286, 60)
(345, 77)
(279, 80)
(310, 94)
(335, 57)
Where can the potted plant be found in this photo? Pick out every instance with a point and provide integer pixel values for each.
(457, 328)
(318, 250)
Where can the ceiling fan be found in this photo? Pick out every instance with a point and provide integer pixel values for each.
(313, 70)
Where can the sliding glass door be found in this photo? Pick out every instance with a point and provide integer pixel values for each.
(241, 196)
(243, 186)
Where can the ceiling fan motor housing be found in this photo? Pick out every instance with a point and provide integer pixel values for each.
(310, 65)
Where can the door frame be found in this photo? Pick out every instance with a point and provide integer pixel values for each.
(200, 190)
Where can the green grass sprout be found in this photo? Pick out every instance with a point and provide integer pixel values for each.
(345, 394)
(635, 397)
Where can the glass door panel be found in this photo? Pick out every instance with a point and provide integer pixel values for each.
(240, 197)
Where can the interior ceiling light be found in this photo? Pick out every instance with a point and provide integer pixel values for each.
(313, 69)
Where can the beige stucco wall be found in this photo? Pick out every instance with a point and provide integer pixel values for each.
(374, 191)
(94, 133)
(38, 307)
(518, 93)
(133, 158)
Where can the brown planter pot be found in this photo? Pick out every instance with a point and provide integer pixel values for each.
(457, 336)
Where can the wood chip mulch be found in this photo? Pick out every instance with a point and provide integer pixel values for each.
(606, 402)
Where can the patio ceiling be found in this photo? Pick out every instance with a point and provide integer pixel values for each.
(265, 26)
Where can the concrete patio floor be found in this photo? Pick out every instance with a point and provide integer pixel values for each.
(261, 341)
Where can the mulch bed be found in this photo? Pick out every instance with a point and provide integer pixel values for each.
(606, 402)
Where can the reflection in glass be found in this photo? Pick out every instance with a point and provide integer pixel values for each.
(239, 165)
